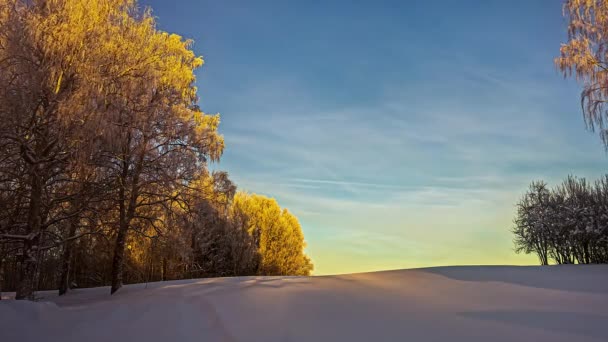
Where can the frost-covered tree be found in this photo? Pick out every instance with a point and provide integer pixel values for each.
(276, 232)
(585, 56)
(92, 78)
(533, 222)
(45, 109)
(104, 157)
(567, 224)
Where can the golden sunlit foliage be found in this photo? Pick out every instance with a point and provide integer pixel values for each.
(277, 233)
(585, 56)
(104, 152)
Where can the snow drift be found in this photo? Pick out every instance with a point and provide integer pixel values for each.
(472, 303)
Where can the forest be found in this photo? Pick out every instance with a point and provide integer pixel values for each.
(104, 158)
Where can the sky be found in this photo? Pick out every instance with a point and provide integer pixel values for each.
(400, 133)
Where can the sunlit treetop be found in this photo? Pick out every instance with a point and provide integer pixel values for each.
(585, 56)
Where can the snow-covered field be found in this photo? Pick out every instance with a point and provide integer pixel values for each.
(472, 303)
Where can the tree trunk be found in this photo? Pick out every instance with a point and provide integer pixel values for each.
(127, 212)
(25, 287)
(1, 270)
(121, 236)
(164, 269)
(127, 204)
(64, 280)
(119, 255)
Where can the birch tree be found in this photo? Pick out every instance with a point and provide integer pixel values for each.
(585, 57)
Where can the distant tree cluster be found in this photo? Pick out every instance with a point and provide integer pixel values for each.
(103, 158)
(276, 233)
(565, 225)
(253, 235)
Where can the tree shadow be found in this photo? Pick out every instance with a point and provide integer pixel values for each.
(582, 324)
(576, 278)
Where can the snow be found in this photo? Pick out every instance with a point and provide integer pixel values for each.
(468, 303)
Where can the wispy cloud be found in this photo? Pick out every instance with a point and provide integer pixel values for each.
(423, 130)
(431, 154)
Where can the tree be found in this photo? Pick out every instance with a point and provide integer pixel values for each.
(276, 232)
(585, 56)
(43, 114)
(157, 137)
(220, 245)
(566, 224)
(532, 222)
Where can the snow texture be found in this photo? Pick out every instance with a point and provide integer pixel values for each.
(468, 303)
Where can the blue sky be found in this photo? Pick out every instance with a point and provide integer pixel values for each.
(401, 134)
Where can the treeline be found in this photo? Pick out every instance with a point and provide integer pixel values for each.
(104, 153)
(566, 224)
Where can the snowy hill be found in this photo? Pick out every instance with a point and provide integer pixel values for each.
(472, 303)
